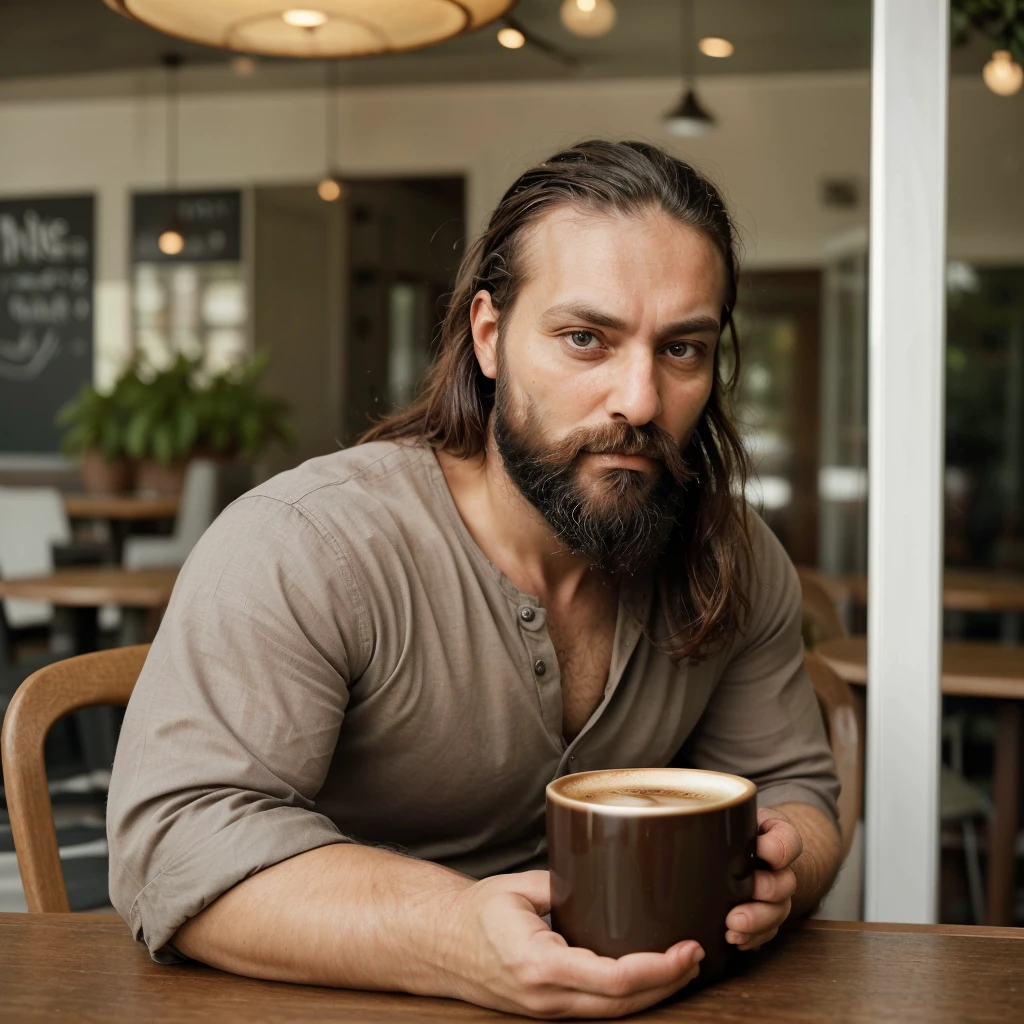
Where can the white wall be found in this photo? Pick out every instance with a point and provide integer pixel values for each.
(779, 136)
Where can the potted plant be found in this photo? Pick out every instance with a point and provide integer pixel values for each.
(95, 432)
(162, 422)
(236, 419)
(172, 415)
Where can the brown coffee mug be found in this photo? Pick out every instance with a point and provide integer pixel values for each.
(643, 858)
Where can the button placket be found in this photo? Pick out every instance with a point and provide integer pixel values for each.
(543, 664)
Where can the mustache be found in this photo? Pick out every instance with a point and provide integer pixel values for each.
(648, 440)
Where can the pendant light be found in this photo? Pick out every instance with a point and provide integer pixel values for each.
(327, 29)
(1002, 74)
(171, 241)
(330, 188)
(588, 18)
(688, 118)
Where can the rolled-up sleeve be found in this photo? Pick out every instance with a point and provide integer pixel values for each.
(762, 720)
(234, 720)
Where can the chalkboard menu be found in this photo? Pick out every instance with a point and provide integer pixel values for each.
(46, 315)
(209, 222)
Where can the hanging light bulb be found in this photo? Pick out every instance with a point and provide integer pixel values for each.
(299, 17)
(688, 118)
(170, 242)
(511, 38)
(588, 18)
(715, 46)
(329, 190)
(1002, 74)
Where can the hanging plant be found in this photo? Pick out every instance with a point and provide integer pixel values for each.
(1001, 21)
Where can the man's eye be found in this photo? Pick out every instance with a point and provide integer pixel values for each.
(581, 339)
(682, 350)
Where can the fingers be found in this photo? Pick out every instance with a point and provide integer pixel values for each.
(752, 924)
(535, 886)
(774, 886)
(584, 971)
(582, 984)
(604, 1007)
(778, 841)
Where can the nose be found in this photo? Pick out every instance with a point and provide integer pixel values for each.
(633, 396)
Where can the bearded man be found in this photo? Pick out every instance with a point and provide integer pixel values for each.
(332, 769)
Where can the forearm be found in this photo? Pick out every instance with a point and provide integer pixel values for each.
(343, 915)
(816, 867)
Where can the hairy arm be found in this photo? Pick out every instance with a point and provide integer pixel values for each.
(358, 917)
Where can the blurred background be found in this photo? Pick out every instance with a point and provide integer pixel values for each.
(216, 263)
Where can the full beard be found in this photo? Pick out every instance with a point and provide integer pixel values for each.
(625, 519)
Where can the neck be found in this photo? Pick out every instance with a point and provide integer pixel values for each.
(510, 531)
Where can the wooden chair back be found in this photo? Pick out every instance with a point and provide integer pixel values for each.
(821, 600)
(845, 736)
(90, 680)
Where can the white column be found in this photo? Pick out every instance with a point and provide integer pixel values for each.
(910, 64)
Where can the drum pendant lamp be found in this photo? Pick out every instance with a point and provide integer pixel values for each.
(323, 30)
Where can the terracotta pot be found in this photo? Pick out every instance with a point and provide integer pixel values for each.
(100, 476)
(153, 477)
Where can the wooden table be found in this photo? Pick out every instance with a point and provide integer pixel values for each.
(120, 506)
(963, 590)
(994, 671)
(120, 512)
(83, 591)
(87, 968)
(94, 586)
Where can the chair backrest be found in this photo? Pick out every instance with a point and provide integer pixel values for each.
(90, 680)
(198, 507)
(845, 736)
(32, 520)
(821, 599)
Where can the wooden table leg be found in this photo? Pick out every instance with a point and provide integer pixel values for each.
(1003, 833)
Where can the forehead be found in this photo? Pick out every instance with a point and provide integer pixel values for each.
(629, 261)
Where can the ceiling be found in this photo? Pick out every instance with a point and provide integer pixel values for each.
(81, 47)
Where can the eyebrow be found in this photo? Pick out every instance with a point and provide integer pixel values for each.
(586, 314)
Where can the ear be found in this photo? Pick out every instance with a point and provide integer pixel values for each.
(483, 322)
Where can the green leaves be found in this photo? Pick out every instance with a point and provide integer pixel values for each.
(1001, 21)
(170, 414)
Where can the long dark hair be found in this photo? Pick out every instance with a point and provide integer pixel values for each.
(701, 577)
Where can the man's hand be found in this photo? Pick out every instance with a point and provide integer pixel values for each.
(778, 845)
(503, 955)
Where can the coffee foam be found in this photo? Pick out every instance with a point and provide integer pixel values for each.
(650, 790)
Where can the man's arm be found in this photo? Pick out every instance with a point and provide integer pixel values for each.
(359, 917)
(801, 847)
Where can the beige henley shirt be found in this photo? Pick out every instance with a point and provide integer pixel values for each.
(340, 662)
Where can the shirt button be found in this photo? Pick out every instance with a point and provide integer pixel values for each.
(527, 614)
(539, 667)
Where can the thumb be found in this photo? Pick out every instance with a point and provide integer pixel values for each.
(534, 886)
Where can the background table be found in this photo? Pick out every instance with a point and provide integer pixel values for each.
(86, 590)
(87, 968)
(964, 590)
(120, 511)
(994, 671)
(120, 506)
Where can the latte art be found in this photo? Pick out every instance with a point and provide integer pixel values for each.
(643, 797)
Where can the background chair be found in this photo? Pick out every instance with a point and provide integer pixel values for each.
(198, 508)
(825, 604)
(32, 521)
(90, 680)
